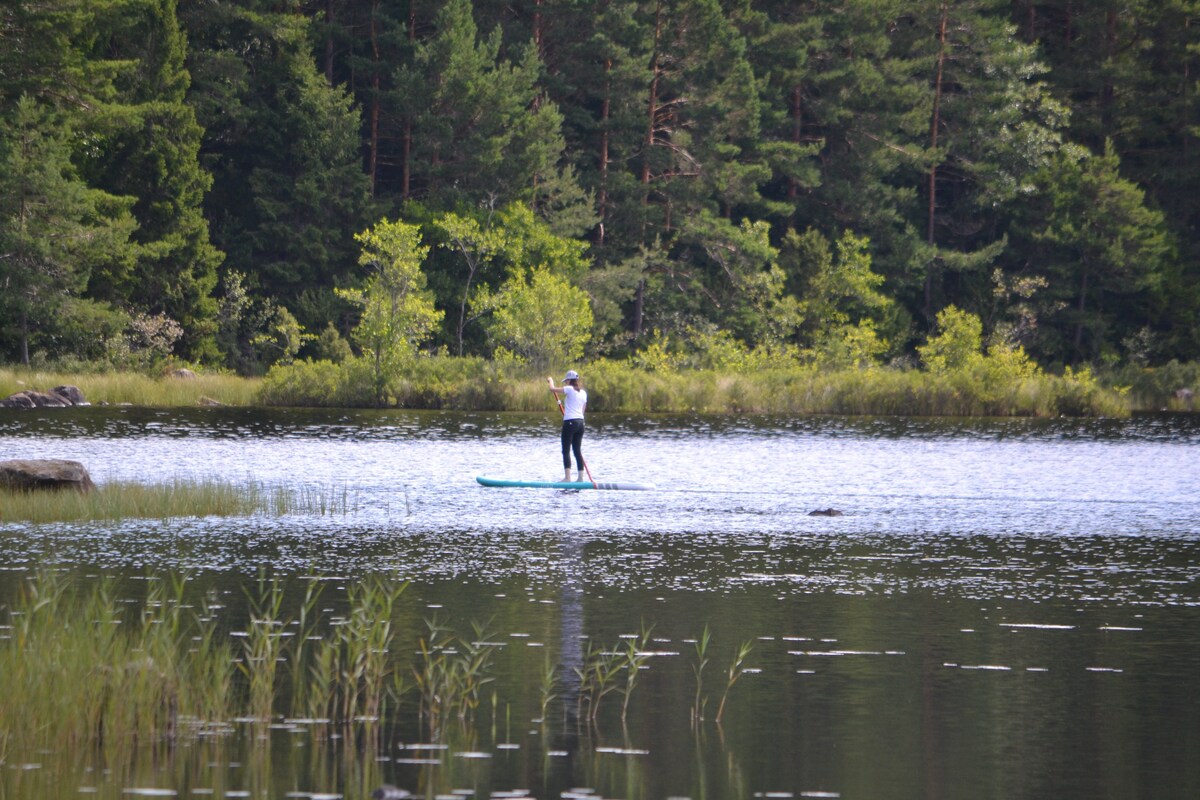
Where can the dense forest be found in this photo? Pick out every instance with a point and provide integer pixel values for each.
(244, 182)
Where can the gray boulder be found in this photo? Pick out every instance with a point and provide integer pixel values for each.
(17, 400)
(49, 473)
(58, 397)
(71, 394)
(825, 512)
(32, 399)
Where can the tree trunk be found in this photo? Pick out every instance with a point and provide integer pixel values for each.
(935, 123)
(1108, 92)
(1081, 308)
(793, 189)
(648, 144)
(329, 6)
(407, 135)
(605, 114)
(376, 66)
(24, 339)
(538, 33)
(638, 303)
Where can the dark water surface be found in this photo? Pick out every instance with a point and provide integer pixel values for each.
(1006, 608)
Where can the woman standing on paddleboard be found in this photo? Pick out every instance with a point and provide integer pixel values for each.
(574, 404)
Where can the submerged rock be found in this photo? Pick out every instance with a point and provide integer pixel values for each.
(826, 512)
(50, 473)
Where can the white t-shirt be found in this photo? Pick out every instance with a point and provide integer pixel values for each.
(574, 402)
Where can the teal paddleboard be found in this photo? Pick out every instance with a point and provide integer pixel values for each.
(502, 484)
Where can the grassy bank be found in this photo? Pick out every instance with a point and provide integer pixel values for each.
(135, 388)
(988, 387)
(176, 498)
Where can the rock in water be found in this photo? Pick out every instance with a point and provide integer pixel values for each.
(58, 397)
(50, 473)
(825, 512)
(389, 792)
(71, 394)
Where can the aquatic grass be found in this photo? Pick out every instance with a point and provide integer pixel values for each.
(80, 673)
(179, 497)
(91, 676)
(262, 649)
(451, 674)
(597, 678)
(735, 671)
(366, 638)
(135, 388)
(700, 702)
(634, 658)
(547, 693)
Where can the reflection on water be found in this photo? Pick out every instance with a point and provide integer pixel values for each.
(1006, 609)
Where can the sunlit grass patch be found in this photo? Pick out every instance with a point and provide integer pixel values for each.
(135, 388)
(179, 497)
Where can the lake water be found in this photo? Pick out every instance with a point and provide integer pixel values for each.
(1005, 608)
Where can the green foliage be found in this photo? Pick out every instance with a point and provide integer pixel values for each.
(54, 228)
(957, 345)
(397, 311)
(348, 384)
(332, 346)
(146, 342)
(1102, 248)
(542, 318)
(807, 174)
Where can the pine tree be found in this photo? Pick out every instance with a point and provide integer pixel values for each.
(289, 189)
(480, 132)
(53, 227)
(1101, 248)
(147, 147)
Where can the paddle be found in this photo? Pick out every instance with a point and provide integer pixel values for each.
(563, 411)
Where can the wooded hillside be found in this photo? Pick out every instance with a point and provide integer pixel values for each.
(819, 178)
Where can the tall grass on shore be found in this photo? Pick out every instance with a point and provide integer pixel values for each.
(135, 388)
(205, 497)
(987, 387)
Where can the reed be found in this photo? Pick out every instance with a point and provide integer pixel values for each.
(547, 689)
(262, 649)
(451, 675)
(736, 670)
(597, 679)
(634, 658)
(700, 702)
(180, 497)
(135, 388)
(80, 673)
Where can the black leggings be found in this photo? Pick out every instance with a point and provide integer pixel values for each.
(572, 439)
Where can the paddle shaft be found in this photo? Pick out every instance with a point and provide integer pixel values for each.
(563, 411)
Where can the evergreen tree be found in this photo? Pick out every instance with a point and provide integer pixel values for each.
(147, 147)
(284, 149)
(1103, 252)
(480, 132)
(53, 227)
(991, 124)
